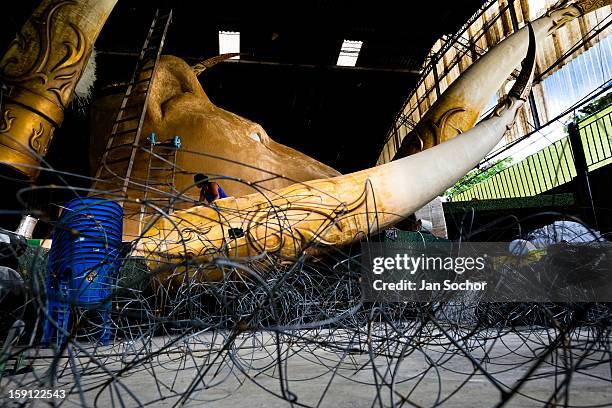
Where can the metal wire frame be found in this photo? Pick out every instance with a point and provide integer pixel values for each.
(202, 342)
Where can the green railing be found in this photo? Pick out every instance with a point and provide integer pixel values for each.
(550, 167)
(596, 135)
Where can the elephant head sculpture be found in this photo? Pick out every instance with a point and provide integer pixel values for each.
(219, 142)
(214, 141)
(307, 217)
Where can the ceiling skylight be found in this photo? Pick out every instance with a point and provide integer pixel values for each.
(349, 53)
(229, 41)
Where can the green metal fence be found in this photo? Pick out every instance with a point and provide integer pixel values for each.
(550, 167)
(596, 132)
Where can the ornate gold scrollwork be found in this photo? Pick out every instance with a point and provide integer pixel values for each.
(587, 6)
(429, 133)
(6, 120)
(56, 79)
(41, 68)
(438, 128)
(35, 139)
(562, 13)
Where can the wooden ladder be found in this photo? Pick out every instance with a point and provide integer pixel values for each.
(115, 168)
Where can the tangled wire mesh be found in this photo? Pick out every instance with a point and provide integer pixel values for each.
(293, 331)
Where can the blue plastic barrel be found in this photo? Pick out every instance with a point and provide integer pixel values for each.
(85, 255)
(89, 235)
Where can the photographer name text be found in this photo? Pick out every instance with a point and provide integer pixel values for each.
(424, 285)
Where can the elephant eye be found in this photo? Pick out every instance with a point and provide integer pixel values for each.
(255, 136)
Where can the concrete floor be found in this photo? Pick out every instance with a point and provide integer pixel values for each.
(325, 377)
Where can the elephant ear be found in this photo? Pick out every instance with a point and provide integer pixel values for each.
(210, 62)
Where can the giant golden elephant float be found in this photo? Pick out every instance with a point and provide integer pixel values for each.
(284, 203)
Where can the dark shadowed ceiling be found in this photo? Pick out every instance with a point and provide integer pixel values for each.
(287, 81)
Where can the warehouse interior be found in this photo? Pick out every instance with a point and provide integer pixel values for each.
(197, 195)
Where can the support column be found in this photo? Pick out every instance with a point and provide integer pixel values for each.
(584, 195)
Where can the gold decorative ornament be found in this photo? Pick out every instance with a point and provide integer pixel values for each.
(41, 69)
(585, 6)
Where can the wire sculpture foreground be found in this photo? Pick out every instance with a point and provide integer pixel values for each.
(298, 333)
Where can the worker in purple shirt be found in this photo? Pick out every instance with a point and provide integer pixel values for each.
(209, 190)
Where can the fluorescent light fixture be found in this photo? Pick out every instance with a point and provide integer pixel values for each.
(349, 53)
(229, 41)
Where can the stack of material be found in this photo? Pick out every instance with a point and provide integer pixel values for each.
(83, 260)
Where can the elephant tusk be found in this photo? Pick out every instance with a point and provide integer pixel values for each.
(468, 95)
(211, 62)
